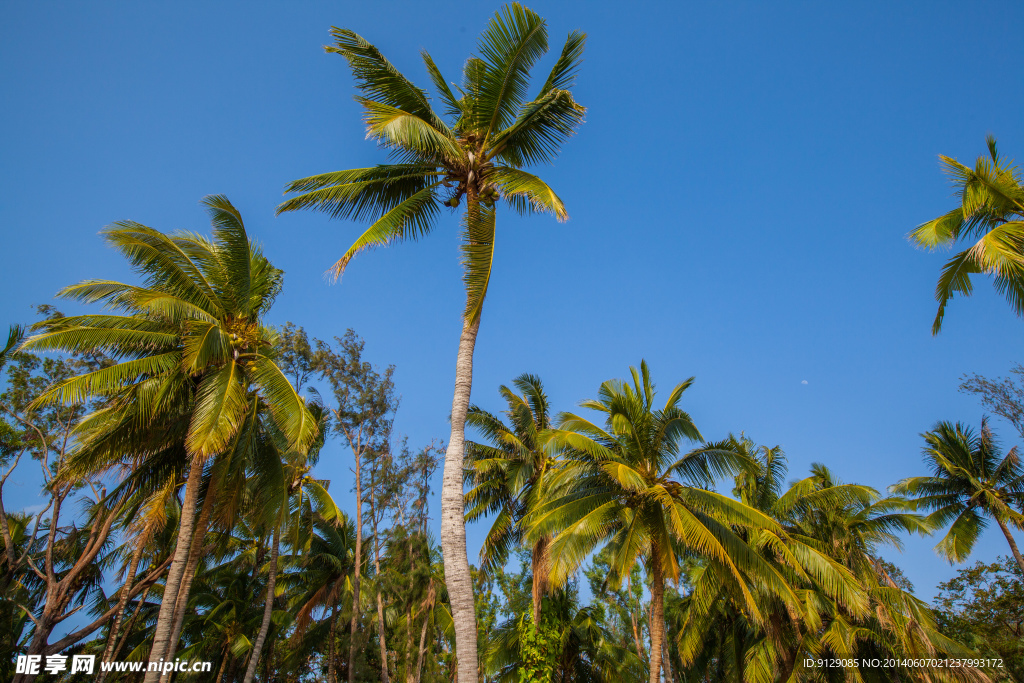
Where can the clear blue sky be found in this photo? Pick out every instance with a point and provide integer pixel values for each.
(739, 197)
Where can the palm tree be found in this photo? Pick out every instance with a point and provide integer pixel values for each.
(970, 482)
(850, 608)
(510, 475)
(325, 565)
(622, 490)
(195, 367)
(992, 211)
(492, 131)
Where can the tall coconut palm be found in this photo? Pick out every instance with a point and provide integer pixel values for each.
(970, 482)
(195, 365)
(991, 211)
(510, 475)
(624, 490)
(474, 151)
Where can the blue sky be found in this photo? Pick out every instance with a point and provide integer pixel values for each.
(739, 196)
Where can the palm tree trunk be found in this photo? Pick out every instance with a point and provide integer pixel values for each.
(223, 665)
(353, 623)
(657, 613)
(453, 513)
(165, 618)
(128, 628)
(268, 609)
(1013, 544)
(667, 660)
(540, 568)
(194, 555)
(122, 604)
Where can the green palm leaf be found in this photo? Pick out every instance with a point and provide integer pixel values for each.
(477, 258)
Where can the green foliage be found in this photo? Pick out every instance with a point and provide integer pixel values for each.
(540, 648)
(475, 150)
(1003, 397)
(983, 607)
(970, 482)
(991, 218)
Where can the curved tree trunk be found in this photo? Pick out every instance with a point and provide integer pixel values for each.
(1013, 544)
(453, 516)
(129, 626)
(268, 609)
(195, 554)
(165, 618)
(657, 613)
(541, 568)
(122, 605)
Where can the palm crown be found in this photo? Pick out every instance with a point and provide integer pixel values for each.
(195, 371)
(474, 150)
(188, 341)
(992, 211)
(971, 480)
(509, 475)
(623, 485)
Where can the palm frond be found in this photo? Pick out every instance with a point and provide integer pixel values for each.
(477, 258)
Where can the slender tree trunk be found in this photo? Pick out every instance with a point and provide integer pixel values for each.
(268, 674)
(384, 675)
(332, 675)
(1013, 544)
(453, 513)
(223, 665)
(353, 624)
(409, 675)
(657, 613)
(423, 632)
(165, 618)
(268, 609)
(540, 568)
(641, 652)
(122, 605)
(195, 554)
(666, 658)
(130, 625)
